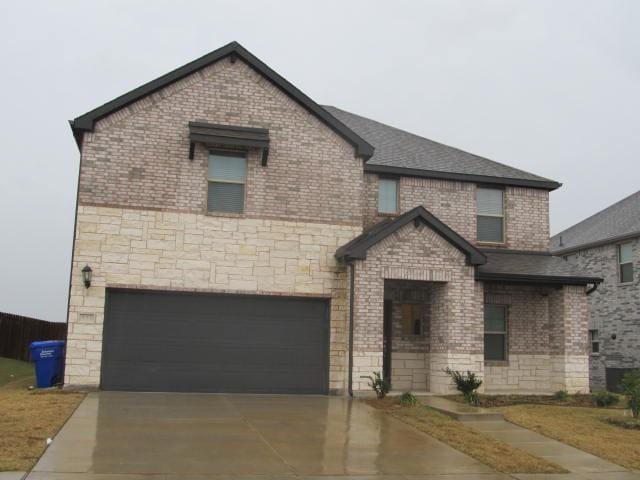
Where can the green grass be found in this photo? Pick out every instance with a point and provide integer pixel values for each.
(13, 370)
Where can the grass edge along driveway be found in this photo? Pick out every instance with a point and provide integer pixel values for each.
(28, 418)
(494, 453)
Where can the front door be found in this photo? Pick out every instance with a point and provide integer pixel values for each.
(386, 340)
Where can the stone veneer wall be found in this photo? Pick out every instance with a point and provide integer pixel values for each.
(184, 251)
(546, 338)
(454, 203)
(419, 254)
(614, 311)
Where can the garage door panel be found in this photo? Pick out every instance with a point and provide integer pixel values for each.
(167, 341)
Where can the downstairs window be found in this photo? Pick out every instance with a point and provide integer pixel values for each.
(495, 332)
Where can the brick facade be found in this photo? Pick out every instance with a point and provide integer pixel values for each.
(143, 223)
(526, 209)
(614, 311)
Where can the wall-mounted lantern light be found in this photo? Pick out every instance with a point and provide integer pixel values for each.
(86, 275)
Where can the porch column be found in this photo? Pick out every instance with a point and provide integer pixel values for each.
(368, 315)
(457, 330)
(568, 339)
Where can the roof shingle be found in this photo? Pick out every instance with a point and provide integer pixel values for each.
(620, 220)
(399, 149)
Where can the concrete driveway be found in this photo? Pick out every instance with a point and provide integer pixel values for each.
(189, 436)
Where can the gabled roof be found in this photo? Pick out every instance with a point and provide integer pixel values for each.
(615, 223)
(531, 267)
(357, 248)
(403, 153)
(86, 122)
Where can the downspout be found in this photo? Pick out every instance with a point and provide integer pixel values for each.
(352, 283)
(592, 289)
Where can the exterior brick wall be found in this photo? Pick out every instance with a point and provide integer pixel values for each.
(185, 251)
(546, 340)
(417, 253)
(614, 311)
(139, 157)
(454, 203)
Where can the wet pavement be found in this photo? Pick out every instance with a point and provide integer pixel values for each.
(114, 435)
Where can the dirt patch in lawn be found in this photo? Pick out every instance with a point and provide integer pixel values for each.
(492, 401)
(583, 428)
(27, 419)
(494, 453)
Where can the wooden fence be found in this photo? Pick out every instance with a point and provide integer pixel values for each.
(17, 333)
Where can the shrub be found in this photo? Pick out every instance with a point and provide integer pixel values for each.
(631, 387)
(378, 384)
(604, 399)
(408, 399)
(561, 395)
(466, 384)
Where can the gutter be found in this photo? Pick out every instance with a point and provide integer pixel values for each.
(592, 289)
(352, 283)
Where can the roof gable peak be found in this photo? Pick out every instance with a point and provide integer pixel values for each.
(86, 122)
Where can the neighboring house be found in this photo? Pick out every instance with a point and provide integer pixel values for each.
(243, 238)
(607, 245)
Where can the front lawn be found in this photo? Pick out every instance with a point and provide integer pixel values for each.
(583, 428)
(12, 370)
(28, 418)
(494, 453)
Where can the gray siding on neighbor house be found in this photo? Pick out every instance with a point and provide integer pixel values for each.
(615, 311)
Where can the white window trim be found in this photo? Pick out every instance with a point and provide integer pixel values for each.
(503, 216)
(505, 360)
(233, 154)
(620, 264)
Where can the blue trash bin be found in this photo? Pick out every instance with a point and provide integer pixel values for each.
(49, 359)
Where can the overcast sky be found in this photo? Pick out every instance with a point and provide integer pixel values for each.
(552, 87)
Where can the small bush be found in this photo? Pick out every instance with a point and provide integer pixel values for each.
(625, 422)
(466, 384)
(561, 395)
(631, 387)
(604, 399)
(408, 399)
(378, 384)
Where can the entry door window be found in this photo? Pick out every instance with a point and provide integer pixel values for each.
(495, 332)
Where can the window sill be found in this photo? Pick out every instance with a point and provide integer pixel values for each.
(496, 363)
(387, 214)
(492, 244)
(626, 284)
(225, 214)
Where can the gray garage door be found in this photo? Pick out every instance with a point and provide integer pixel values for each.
(181, 342)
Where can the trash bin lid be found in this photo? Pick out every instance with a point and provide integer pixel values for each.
(47, 343)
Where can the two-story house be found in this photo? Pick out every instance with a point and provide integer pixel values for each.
(232, 235)
(607, 244)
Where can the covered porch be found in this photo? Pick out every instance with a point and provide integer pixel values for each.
(423, 299)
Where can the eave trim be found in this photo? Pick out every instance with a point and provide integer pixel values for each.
(464, 177)
(86, 122)
(357, 248)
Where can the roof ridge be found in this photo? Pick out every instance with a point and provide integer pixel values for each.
(439, 143)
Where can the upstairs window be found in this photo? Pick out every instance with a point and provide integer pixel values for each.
(227, 175)
(490, 204)
(387, 195)
(625, 261)
(495, 332)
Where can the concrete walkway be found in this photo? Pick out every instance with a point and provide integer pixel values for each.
(570, 458)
